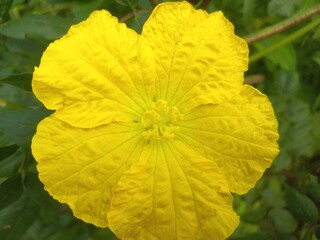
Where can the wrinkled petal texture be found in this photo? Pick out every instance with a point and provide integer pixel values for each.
(172, 193)
(212, 135)
(198, 58)
(240, 135)
(100, 72)
(81, 166)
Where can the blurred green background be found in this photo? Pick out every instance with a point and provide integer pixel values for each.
(284, 39)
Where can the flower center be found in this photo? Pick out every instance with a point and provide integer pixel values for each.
(160, 122)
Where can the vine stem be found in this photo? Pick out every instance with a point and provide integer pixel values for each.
(282, 26)
(286, 40)
(133, 14)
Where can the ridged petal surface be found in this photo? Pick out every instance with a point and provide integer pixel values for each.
(172, 193)
(100, 72)
(152, 133)
(198, 58)
(239, 135)
(81, 166)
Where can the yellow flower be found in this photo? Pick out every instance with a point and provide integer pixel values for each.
(152, 133)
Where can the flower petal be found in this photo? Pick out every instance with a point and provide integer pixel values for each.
(101, 71)
(172, 193)
(240, 135)
(80, 166)
(199, 60)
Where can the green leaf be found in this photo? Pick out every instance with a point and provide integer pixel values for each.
(316, 104)
(283, 161)
(5, 6)
(302, 207)
(46, 26)
(313, 188)
(284, 236)
(36, 191)
(4, 141)
(272, 195)
(317, 231)
(11, 165)
(316, 34)
(297, 114)
(7, 151)
(316, 131)
(248, 11)
(284, 57)
(16, 219)
(286, 83)
(254, 236)
(20, 125)
(10, 191)
(15, 98)
(82, 9)
(282, 220)
(301, 131)
(22, 80)
(254, 216)
(73, 232)
(316, 57)
(284, 8)
(308, 235)
(102, 233)
(298, 111)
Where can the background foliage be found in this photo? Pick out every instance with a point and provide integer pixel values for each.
(285, 66)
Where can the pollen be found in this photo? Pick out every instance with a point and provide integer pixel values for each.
(161, 121)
